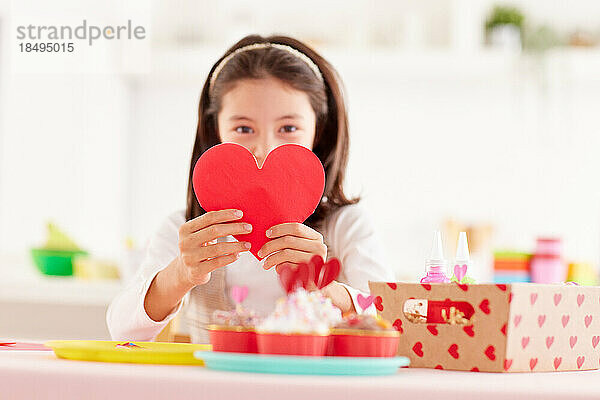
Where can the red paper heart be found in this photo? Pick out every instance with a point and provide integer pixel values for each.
(490, 352)
(378, 303)
(580, 361)
(293, 277)
(322, 274)
(288, 187)
(507, 363)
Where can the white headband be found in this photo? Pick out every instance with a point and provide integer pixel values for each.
(255, 46)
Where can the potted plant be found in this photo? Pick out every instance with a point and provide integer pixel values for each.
(504, 27)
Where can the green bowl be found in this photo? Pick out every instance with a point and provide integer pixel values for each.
(55, 262)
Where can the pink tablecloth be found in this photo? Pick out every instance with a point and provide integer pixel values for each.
(40, 375)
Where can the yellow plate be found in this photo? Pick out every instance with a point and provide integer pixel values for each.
(146, 353)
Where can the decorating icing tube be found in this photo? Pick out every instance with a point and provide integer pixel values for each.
(462, 261)
(436, 266)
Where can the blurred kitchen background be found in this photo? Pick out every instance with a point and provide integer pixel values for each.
(481, 116)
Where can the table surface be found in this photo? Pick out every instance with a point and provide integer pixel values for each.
(34, 374)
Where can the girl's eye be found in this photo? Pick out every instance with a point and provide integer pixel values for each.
(288, 128)
(244, 129)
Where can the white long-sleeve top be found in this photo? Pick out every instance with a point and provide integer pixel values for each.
(348, 234)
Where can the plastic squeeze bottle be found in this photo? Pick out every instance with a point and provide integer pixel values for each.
(462, 261)
(435, 267)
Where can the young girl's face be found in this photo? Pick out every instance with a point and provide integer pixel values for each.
(261, 114)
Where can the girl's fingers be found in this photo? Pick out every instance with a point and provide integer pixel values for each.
(291, 242)
(210, 265)
(293, 229)
(219, 230)
(200, 254)
(286, 255)
(210, 218)
(219, 249)
(279, 266)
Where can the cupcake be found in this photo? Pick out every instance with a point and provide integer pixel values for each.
(364, 336)
(299, 325)
(233, 331)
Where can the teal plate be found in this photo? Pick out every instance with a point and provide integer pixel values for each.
(298, 365)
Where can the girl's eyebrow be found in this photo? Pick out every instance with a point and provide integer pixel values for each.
(290, 116)
(239, 117)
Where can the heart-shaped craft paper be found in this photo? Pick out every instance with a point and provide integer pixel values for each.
(323, 273)
(288, 187)
(239, 293)
(293, 276)
(315, 273)
(364, 301)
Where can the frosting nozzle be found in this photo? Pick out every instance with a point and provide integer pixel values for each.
(437, 251)
(462, 250)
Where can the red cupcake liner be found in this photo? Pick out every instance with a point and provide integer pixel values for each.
(233, 339)
(364, 344)
(293, 344)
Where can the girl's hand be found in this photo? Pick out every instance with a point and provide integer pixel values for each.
(291, 242)
(200, 254)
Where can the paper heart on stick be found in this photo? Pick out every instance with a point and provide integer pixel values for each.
(310, 275)
(365, 301)
(288, 187)
(239, 293)
(293, 276)
(323, 273)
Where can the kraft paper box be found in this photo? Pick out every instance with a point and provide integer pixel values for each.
(497, 328)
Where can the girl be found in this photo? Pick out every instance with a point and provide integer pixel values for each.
(264, 92)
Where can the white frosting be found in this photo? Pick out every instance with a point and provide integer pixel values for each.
(302, 312)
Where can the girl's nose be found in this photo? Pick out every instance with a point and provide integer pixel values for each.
(260, 153)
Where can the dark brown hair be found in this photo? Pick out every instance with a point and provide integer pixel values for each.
(331, 141)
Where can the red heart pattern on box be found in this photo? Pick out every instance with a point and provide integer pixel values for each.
(554, 328)
(515, 328)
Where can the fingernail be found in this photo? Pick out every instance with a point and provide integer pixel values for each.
(268, 232)
(247, 227)
(260, 254)
(247, 245)
(238, 213)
